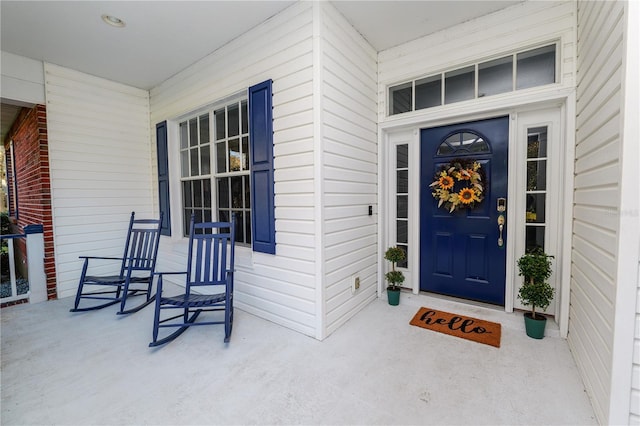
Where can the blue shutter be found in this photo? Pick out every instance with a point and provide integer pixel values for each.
(163, 177)
(263, 227)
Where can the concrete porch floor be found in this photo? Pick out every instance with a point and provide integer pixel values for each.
(96, 368)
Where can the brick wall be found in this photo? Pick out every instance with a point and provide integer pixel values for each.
(31, 155)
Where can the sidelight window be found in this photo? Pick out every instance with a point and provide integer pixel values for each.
(402, 201)
(536, 189)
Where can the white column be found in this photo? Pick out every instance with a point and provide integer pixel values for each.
(35, 258)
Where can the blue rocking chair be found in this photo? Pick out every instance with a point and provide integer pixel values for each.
(135, 277)
(209, 282)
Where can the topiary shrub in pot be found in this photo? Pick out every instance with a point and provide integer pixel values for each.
(535, 267)
(395, 278)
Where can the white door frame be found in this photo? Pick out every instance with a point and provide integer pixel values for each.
(559, 114)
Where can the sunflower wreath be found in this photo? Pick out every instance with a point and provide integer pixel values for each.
(459, 185)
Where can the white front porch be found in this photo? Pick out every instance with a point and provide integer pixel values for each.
(96, 368)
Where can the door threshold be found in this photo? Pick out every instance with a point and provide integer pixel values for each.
(462, 301)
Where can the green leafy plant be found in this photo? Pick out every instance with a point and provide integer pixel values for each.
(4, 247)
(395, 278)
(5, 222)
(535, 267)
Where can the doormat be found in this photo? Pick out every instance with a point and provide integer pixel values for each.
(478, 330)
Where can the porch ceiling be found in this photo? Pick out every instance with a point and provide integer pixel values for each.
(163, 37)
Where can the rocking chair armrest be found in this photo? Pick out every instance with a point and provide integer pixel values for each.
(169, 273)
(99, 257)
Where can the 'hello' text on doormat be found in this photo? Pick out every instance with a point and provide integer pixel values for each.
(478, 330)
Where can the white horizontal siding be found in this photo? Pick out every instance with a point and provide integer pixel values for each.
(100, 166)
(517, 27)
(596, 197)
(280, 288)
(21, 79)
(349, 141)
(629, 269)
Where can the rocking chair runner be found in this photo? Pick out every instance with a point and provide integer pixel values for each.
(209, 271)
(136, 270)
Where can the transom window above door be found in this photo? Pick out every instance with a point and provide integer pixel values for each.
(516, 71)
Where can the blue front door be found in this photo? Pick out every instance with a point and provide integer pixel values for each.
(463, 252)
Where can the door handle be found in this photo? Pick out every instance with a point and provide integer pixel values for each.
(500, 228)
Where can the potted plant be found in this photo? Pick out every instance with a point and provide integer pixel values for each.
(535, 267)
(395, 278)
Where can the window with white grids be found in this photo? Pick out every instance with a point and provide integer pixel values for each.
(214, 157)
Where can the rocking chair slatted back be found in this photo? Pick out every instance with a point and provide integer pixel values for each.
(211, 255)
(142, 246)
